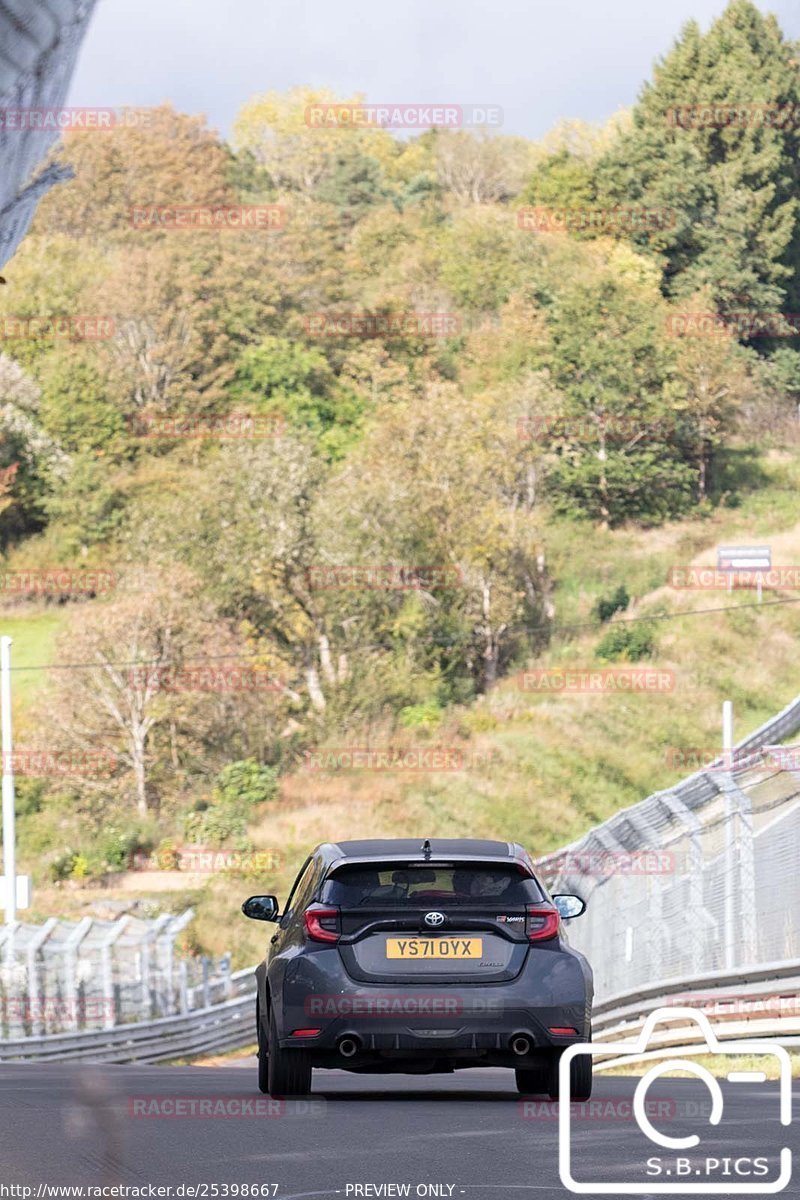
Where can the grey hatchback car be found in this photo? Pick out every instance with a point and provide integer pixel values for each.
(420, 956)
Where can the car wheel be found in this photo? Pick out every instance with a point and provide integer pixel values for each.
(263, 1057)
(288, 1071)
(533, 1081)
(580, 1077)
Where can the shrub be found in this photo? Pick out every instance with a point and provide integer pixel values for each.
(618, 601)
(239, 788)
(628, 643)
(421, 716)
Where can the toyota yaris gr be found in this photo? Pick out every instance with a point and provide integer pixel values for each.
(420, 956)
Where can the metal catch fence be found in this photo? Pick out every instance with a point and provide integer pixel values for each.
(69, 976)
(701, 877)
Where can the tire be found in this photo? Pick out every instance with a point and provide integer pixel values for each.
(533, 1081)
(580, 1077)
(263, 1057)
(288, 1071)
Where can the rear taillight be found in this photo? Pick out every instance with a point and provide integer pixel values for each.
(541, 922)
(322, 924)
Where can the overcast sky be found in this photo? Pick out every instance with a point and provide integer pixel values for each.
(540, 60)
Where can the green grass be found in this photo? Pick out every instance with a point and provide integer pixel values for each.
(34, 637)
(717, 1064)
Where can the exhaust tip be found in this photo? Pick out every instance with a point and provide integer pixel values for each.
(520, 1044)
(348, 1046)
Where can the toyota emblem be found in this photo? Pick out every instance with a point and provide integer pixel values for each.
(435, 919)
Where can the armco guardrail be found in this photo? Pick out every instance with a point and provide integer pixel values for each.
(741, 1008)
(204, 1030)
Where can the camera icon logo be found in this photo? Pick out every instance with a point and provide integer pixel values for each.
(675, 1172)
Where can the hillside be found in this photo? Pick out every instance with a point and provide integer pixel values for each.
(322, 439)
(538, 768)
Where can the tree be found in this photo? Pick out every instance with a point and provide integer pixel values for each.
(277, 129)
(286, 378)
(714, 383)
(178, 323)
(485, 258)
(445, 485)
(31, 462)
(353, 183)
(77, 408)
(156, 156)
(732, 187)
(252, 552)
(123, 703)
(480, 168)
(611, 454)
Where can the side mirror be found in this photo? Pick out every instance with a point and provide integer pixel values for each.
(261, 908)
(569, 906)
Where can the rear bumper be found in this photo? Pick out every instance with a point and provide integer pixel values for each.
(438, 1036)
(457, 1021)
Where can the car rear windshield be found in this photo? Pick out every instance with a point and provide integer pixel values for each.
(465, 883)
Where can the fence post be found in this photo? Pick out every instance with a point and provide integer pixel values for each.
(38, 1021)
(109, 995)
(651, 839)
(71, 947)
(697, 910)
(206, 983)
(740, 882)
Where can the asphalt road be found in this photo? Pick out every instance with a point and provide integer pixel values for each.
(468, 1133)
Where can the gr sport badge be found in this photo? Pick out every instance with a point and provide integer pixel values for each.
(435, 919)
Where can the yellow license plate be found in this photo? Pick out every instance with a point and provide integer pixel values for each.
(440, 947)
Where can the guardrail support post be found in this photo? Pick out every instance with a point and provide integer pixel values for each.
(183, 985)
(206, 983)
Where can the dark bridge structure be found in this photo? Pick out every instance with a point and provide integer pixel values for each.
(39, 44)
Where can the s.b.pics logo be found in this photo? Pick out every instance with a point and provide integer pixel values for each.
(720, 1157)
